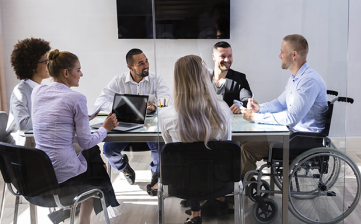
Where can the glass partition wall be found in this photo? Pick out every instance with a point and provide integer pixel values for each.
(257, 30)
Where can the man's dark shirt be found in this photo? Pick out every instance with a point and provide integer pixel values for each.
(236, 87)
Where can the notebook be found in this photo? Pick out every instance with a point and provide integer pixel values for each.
(130, 111)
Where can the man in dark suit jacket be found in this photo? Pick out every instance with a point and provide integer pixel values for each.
(229, 84)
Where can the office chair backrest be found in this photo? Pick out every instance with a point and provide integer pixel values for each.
(5, 135)
(28, 169)
(3, 123)
(193, 167)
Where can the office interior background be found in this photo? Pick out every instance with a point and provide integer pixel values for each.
(88, 28)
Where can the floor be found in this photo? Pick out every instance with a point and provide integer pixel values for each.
(136, 207)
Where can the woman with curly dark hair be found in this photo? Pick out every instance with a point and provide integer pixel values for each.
(29, 60)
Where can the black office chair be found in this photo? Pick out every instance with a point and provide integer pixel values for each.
(5, 134)
(32, 174)
(4, 137)
(191, 167)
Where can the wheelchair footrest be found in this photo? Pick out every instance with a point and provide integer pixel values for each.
(331, 193)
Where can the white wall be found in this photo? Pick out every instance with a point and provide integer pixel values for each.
(88, 28)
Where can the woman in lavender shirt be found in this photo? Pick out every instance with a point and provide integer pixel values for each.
(59, 114)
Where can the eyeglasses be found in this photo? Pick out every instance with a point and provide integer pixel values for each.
(44, 62)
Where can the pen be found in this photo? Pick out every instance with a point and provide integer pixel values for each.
(164, 102)
(155, 100)
(160, 104)
(168, 101)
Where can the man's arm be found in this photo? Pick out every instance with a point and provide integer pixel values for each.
(245, 92)
(163, 91)
(107, 94)
(275, 106)
(304, 98)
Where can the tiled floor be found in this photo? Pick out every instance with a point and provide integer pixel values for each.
(136, 207)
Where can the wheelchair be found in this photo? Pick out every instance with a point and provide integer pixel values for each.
(324, 183)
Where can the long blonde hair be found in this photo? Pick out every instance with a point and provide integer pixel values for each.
(196, 101)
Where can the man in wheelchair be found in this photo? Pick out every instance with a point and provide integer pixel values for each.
(325, 184)
(300, 106)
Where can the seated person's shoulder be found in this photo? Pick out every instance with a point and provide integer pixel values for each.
(168, 112)
(235, 74)
(39, 89)
(224, 106)
(22, 87)
(77, 95)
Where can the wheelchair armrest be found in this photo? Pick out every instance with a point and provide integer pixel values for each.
(307, 134)
(296, 143)
(299, 134)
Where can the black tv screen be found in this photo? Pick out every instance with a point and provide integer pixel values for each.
(174, 19)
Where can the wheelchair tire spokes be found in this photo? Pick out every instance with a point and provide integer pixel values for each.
(332, 196)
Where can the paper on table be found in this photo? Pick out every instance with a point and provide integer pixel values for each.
(96, 110)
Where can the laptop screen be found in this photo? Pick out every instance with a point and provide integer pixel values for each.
(130, 108)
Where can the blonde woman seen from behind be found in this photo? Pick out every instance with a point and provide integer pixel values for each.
(197, 115)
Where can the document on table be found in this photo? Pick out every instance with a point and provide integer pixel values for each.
(96, 110)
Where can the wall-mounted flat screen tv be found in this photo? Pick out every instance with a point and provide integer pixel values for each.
(174, 19)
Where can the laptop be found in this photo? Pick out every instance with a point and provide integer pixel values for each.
(130, 111)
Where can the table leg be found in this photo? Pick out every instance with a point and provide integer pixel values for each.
(285, 181)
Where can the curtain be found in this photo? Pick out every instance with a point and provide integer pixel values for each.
(3, 104)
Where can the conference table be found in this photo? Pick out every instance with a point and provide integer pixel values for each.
(241, 131)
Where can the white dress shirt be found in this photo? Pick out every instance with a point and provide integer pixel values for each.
(20, 110)
(168, 124)
(125, 84)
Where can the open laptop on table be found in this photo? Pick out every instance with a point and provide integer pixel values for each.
(130, 111)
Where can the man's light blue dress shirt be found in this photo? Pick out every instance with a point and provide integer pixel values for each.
(301, 104)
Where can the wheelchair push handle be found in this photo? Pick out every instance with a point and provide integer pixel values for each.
(345, 99)
(332, 92)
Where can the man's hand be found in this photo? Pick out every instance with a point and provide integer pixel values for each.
(248, 114)
(235, 109)
(253, 105)
(151, 106)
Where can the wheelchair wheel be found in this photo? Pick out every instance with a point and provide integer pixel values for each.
(266, 215)
(252, 190)
(321, 169)
(334, 166)
(324, 186)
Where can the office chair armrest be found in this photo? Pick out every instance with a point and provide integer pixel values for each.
(10, 187)
(94, 193)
